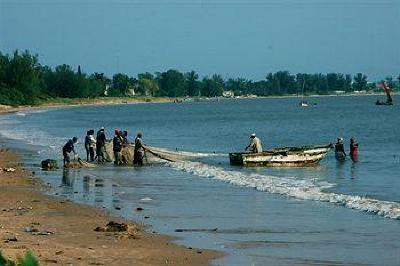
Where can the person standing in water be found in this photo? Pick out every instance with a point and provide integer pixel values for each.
(117, 147)
(139, 150)
(340, 154)
(67, 149)
(90, 144)
(353, 149)
(255, 145)
(100, 145)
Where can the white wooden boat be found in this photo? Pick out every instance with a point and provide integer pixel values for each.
(282, 157)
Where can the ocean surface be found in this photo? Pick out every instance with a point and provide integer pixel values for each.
(332, 214)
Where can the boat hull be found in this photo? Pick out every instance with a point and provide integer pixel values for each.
(282, 157)
(383, 103)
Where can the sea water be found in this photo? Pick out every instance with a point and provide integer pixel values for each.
(331, 214)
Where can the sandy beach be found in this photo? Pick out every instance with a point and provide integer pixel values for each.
(57, 103)
(62, 232)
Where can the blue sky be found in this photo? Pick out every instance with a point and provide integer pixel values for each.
(233, 38)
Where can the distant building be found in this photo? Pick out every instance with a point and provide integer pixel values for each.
(360, 92)
(131, 92)
(339, 92)
(228, 94)
(106, 90)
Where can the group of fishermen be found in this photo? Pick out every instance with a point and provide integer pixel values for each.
(96, 147)
(340, 153)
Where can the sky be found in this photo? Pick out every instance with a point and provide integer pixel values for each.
(234, 38)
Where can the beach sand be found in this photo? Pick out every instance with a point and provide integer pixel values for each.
(64, 103)
(62, 232)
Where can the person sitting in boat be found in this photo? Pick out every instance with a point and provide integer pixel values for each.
(353, 149)
(67, 149)
(255, 144)
(139, 150)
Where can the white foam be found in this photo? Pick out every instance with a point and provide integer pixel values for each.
(304, 189)
(33, 111)
(26, 134)
(146, 199)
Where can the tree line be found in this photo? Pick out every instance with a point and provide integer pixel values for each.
(24, 81)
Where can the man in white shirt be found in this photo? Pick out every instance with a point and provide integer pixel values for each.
(255, 144)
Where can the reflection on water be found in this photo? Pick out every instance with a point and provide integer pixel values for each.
(67, 178)
(354, 170)
(89, 188)
(340, 169)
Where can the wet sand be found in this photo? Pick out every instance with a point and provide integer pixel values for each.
(62, 232)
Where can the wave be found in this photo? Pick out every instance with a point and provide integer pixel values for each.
(16, 130)
(303, 189)
(33, 111)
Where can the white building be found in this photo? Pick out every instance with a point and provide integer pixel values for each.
(228, 94)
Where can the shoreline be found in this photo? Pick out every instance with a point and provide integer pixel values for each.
(63, 103)
(58, 230)
(66, 103)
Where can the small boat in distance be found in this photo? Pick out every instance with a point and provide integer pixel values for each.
(302, 102)
(389, 100)
(282, 157)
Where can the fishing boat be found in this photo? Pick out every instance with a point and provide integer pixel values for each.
(282, 157)
(389, 99)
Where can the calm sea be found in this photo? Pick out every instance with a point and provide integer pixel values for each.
(332, 214)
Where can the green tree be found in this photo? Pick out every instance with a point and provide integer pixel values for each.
(146, 75)
(19, 78)
(212, 87)
(97, 84)
(239, 86)
(192, 84)
(172, 84)
(348, 83)
(148, 87)
(360, 82)
(61, 83)
(121, 84)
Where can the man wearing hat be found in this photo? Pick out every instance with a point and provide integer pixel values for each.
(340, 154)
(255, 144)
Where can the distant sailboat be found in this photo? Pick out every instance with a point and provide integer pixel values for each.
(302, 102)
(389, 100)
